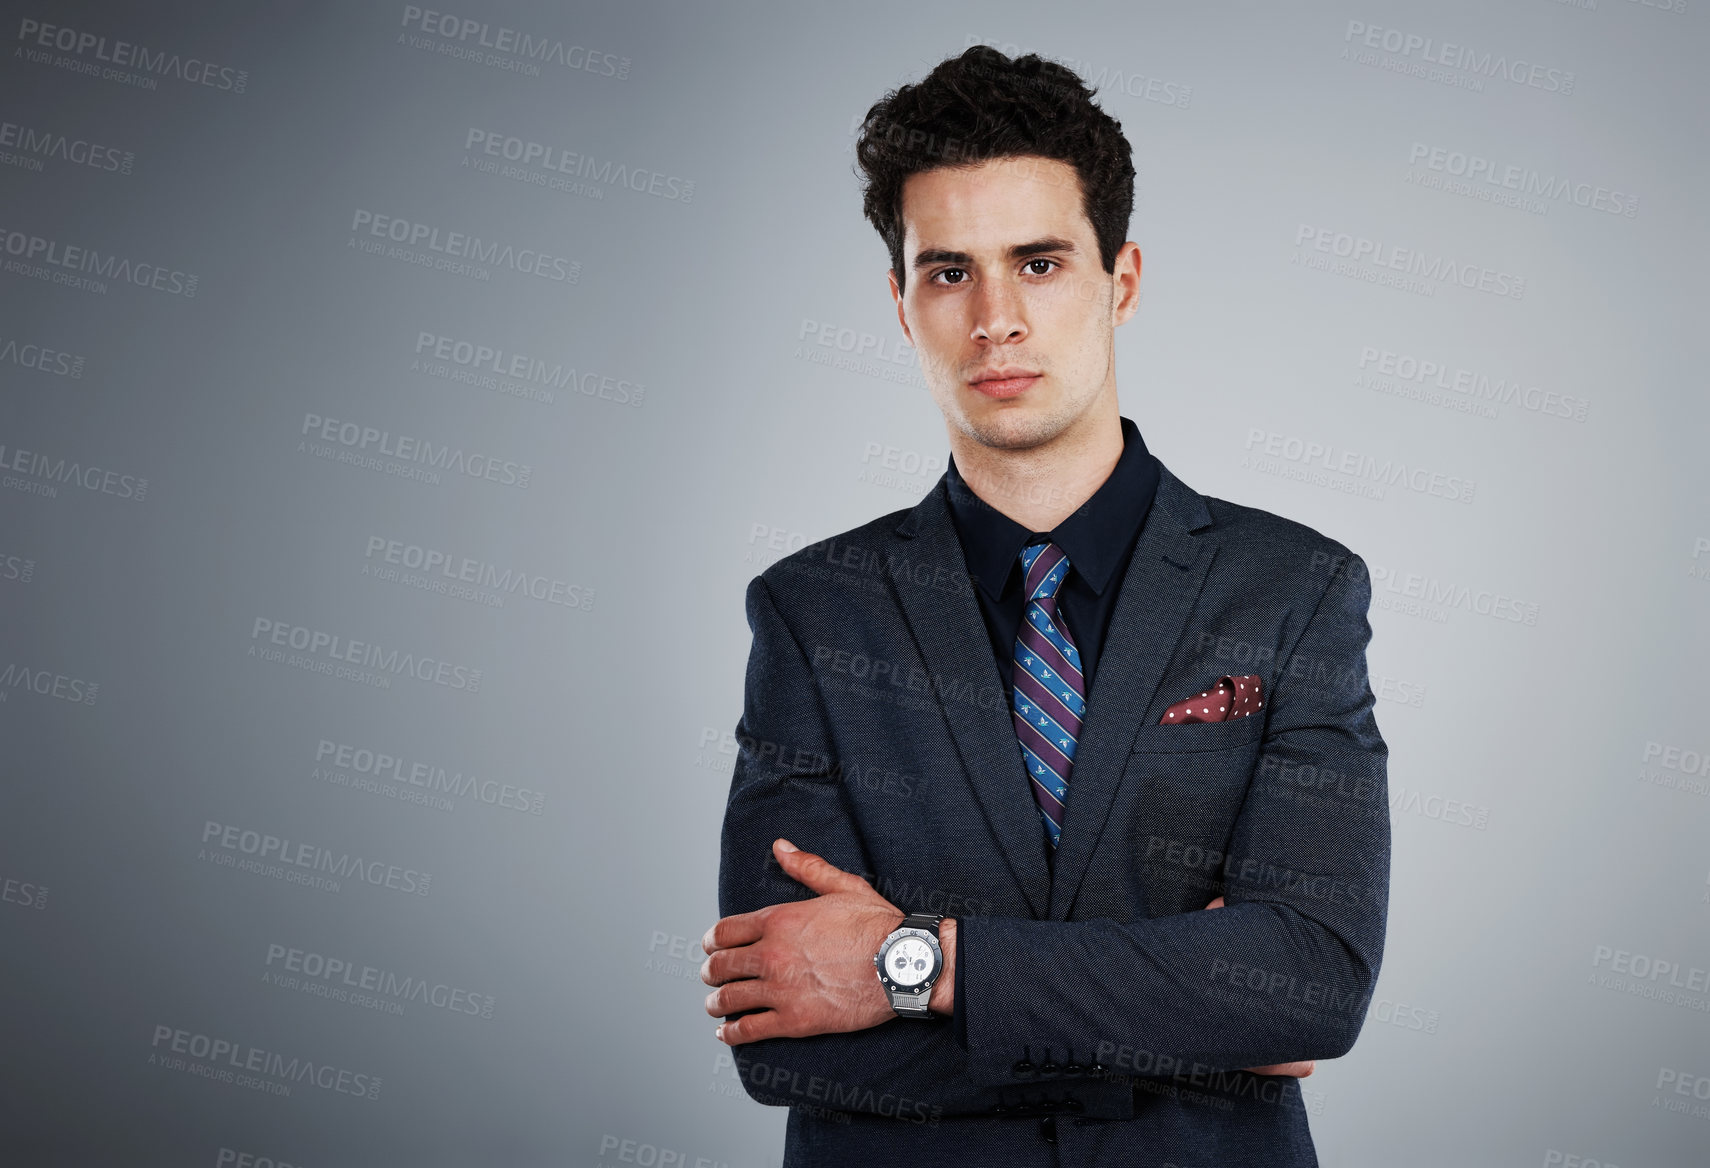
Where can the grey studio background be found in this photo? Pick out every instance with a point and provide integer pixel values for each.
(398, 401)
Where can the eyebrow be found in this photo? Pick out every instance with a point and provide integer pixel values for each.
(938, 255)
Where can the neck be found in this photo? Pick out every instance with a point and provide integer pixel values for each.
(1041, 486)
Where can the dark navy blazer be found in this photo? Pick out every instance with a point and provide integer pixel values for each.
(1108, 1014)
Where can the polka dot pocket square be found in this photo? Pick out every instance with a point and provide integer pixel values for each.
(1230, 698)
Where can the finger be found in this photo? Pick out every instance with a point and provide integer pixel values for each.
(735, 997)
(1297, 1070)
(741, 929)
(1218, 903)
(732, 964)
(752, 1028)
(817, 872)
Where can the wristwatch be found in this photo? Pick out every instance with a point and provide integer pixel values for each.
(909, 963)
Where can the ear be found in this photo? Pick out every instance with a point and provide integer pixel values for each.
(1127, 277)
(897, 296)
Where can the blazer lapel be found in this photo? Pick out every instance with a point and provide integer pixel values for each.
(1160, 589)
(950, 632)
(1163, 582)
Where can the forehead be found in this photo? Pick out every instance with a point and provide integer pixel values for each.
(989, 206)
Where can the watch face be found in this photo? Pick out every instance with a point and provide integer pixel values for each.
(909, 961)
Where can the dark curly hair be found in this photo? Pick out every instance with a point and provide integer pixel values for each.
(984, 105)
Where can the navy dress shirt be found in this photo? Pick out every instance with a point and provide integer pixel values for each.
(1098, 540)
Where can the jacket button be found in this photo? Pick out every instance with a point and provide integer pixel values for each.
(1073, 1069)
(1048, 1129)
(1049, 1069)
(1024, 1067)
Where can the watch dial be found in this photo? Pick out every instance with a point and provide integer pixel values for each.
(909, 961)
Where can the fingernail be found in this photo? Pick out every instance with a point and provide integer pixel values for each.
(788, 846)
(719, 1033)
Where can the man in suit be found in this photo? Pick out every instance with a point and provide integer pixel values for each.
(1000, 751)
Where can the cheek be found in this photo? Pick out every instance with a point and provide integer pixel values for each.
(1069, 313)
(1095, 331)
(940, 334)
(1074, 332)
(937, 316)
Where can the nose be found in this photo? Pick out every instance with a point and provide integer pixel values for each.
(998, 315)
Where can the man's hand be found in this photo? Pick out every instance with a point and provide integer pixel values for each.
(807, 965)
(1296, 1070)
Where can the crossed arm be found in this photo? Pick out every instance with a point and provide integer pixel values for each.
(806, 967)
(796, 961)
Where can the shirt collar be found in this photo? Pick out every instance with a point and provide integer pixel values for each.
(1095, 537)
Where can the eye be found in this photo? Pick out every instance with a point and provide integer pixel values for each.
(1053, 264)
(948, 271)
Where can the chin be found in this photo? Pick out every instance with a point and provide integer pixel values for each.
(1013, 425)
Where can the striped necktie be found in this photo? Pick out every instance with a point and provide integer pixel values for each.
(1050, 694)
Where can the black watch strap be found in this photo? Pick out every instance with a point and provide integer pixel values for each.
(927, 921)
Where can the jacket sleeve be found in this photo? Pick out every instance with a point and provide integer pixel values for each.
(1286, 970)
(787, 782)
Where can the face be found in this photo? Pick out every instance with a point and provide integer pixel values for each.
(1012, 314)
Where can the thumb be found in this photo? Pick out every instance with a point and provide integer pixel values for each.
(1218, 903)
(816, 872)
(1299, 1070)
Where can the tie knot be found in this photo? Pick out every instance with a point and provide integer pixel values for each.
(1044, 566)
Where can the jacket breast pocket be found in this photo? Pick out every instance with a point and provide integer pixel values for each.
(1194, 737)
(1185, 785)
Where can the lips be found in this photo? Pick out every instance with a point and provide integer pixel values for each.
(1005, 382)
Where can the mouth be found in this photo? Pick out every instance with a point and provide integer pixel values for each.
(1004, 383)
